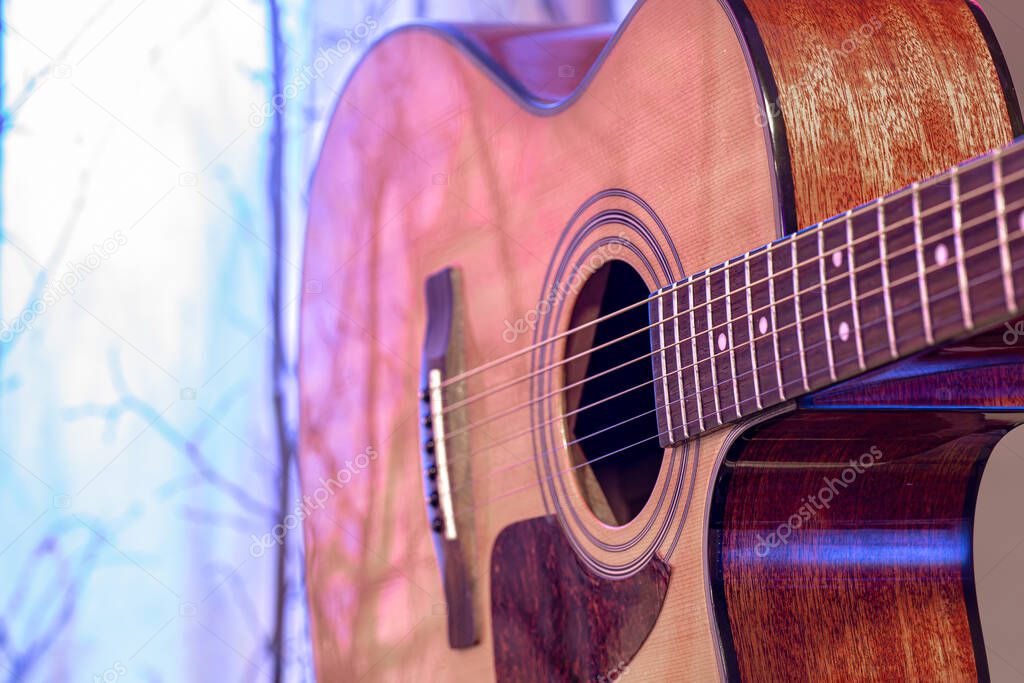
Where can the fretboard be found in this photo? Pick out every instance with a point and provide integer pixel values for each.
(922, 266)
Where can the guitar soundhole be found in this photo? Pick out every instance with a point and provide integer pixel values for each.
(614, 440)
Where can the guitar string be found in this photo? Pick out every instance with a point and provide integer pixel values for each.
(872, 236)
(812, 289)
(539, 482)
(995, 155)
(696, 394)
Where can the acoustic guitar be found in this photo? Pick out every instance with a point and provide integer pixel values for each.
(669, 354)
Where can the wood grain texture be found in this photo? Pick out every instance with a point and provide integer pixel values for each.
(833, 573)
(431, 161)
(878, 94)
(554, 620)
(981, 372)
(874, 96)
(434, 158)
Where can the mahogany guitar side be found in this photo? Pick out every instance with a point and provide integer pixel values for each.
(700, 130)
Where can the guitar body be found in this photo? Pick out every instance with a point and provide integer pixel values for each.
(532, 160)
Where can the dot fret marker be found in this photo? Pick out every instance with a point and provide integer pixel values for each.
(815, 309)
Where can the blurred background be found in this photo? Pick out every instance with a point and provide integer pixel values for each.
(155, 157)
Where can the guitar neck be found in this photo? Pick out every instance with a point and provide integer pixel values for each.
(922, 266)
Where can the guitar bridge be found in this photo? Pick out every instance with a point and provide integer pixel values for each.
(445, 455)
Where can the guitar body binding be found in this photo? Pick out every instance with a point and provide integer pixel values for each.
(697, 132)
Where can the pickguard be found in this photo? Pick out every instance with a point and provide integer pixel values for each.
(554, 620)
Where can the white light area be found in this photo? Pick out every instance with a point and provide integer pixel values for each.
(133, 119)
(139, 135)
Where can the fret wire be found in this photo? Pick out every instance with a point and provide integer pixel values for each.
(604, 456)
(958, 241)
(992, 244)
(1004, 246)
(711, 351)
(664, 369)
(728, 330)
(878, 290)
(947, 292)
(884, 265)
(824, 305)
(853, 290)
(989, 245)
(970, 165)
(797, 314)
(922, 280)
(750, 329)
(775, 322)
(879, 322)
(696, 363)
(679, 366)
(861, 210)
(848, 215)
